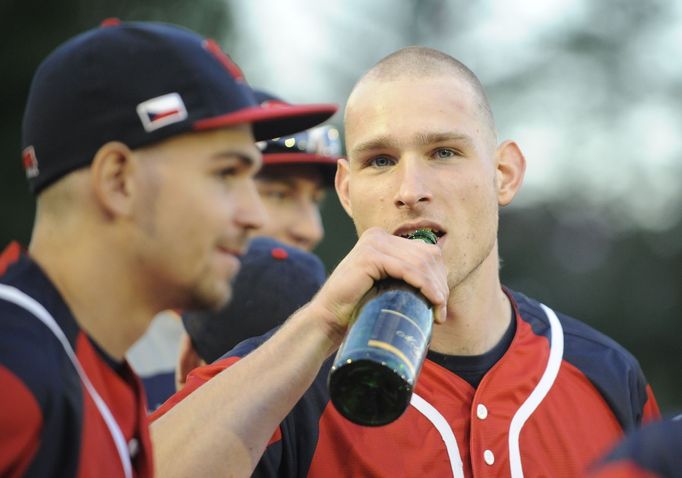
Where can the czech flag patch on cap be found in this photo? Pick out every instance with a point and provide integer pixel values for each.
(161, 111)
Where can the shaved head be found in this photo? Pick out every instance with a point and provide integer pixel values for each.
(421, 62)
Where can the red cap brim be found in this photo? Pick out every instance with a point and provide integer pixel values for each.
(298, 158)
(326, 164)
(275, 121)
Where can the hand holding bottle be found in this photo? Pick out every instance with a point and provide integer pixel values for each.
(379, 255)
(377, 365)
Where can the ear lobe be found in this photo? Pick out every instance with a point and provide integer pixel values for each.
(342, 184)
(511, 168)
(112, 182)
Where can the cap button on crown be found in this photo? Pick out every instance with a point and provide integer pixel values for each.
(110, 22)
(279, 253)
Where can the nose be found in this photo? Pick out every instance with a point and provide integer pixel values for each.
(250, 212)
(413, 189)
(306, 230)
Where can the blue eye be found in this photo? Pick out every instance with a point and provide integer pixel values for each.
(381, 161)
(444, 153)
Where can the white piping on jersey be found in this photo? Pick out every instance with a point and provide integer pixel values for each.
(14, 295)
(538, 394)
(556, 352)
(446, 433)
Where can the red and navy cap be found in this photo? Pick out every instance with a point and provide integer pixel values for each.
(319, 146)
(139, 83)
(273, 282)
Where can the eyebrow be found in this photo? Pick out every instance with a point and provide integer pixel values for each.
(266, 178)
(243, 157)
(421, 139)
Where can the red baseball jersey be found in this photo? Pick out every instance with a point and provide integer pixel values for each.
(559, 397)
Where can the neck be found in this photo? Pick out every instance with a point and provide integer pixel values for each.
(99, 288)
(479, 313)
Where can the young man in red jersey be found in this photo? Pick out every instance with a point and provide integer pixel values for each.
(509, 387)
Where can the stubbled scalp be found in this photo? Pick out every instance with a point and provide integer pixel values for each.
(416, 62)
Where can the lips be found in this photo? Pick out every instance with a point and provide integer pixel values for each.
(231, 250)
(228, 261)
(408, 229)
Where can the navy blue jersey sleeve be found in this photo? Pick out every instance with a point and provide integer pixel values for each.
(613, 371)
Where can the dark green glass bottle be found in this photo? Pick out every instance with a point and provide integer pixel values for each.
(376, 367)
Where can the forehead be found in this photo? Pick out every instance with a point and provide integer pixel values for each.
(293, 174)
(405, 106)
(238, 137)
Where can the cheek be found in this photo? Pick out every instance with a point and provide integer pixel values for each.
(483, 213)
(369, 200)
(275, 211)
(471, 201)
(195, 217)
(481, 185)
(184, 229)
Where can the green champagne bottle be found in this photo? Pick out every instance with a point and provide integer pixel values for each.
(376, 367)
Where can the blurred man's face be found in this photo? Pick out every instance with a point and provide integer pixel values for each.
(198, 205)
(292, 195)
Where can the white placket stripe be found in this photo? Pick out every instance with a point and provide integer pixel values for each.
(446, 433)
(556, 353)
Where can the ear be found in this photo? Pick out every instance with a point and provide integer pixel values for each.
(511, 167)
(342, 183)
(112, 178)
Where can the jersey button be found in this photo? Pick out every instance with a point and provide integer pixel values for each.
(489, 457)
(481, 411)
(133, 447)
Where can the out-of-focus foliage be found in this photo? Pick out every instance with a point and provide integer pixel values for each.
(626, 284)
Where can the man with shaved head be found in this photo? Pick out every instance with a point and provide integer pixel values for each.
(419, 62)
(509, 387)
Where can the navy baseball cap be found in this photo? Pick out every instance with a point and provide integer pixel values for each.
(319, 146)
(139, 83)
(273, 282)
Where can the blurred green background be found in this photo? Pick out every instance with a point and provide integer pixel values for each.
(592, 93)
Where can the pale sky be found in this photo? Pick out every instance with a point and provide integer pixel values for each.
(594, 98)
